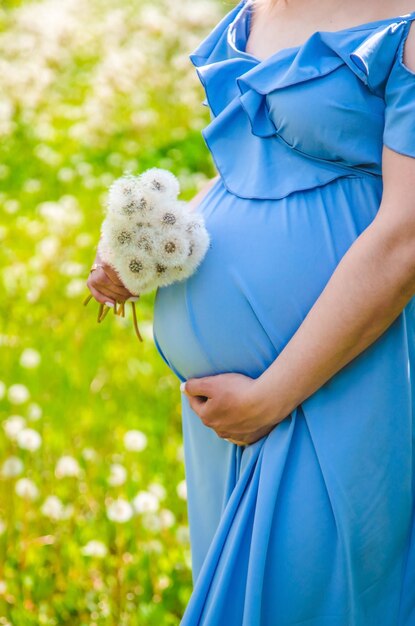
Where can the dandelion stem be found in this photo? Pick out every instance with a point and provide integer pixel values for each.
(100, 310)
(87, 299)
(137, 332)
(106, 310)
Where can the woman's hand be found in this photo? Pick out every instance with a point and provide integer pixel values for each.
(106, 286)
(230, 404)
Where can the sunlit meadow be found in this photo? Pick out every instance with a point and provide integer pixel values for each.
(93, 523)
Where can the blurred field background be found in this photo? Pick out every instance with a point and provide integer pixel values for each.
(93, 523)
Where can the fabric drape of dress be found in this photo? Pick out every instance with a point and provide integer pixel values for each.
(313, 524)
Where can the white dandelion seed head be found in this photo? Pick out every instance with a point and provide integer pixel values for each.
(34, 412)
(67, 466)
(193, 222)
(167, 216)
(151, 522)
(181, 489)
(158, 490)
(89, 454)
(121, 197)
(13, 425)
(136, 270)
(30, 358)
(135, 440)
(12, 466)
(144, 239)
(95, 548)
(26, 488)
(120, 511)
(199, 244)
(145, 502)
(29, 439)
(171, 247)
(154, 545)
(162, 181)
(167, 518)
(129, 199)
(18, 393)
(169, 240)
(118, 235)
(54, 509)
(118, 475)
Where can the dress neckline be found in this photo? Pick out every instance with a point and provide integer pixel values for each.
(246, 12)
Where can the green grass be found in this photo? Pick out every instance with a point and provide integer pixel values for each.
(98, 88)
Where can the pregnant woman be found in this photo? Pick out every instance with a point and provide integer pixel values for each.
(295, 338)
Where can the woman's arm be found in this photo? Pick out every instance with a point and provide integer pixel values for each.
(201, 194)
(371, 285)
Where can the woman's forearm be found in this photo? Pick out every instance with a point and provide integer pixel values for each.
(370, 286)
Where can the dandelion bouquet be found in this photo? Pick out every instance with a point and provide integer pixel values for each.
(149, 236)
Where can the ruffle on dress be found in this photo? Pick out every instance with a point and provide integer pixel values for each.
(252, 153)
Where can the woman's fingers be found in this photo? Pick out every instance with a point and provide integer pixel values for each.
(112, 274)
(100, 297)
(100, 281)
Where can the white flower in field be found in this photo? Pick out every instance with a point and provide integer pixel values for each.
(29, 358)
(31, 185)
(18, 393)
(154, 545)
(28, 439)
(183, 534)
(3, 589)
(54, 509)
(13, 425)
(34, 412)
(26, 488)
(167, 518)
(89, 454)
(67, 466)
(2, 390)
(151, 521)
(48, 247)
(12, 466)
(158, 490)
(118, 475)
(181, 490)
(135, 440)
(120, 510)
(75, 287)
(95, 548)
(145, 502)
(66, 174)
(71, 268)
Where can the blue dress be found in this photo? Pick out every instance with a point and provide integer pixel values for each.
(313, 524)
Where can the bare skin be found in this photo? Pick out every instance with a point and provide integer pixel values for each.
(371, 285)
(285, 24)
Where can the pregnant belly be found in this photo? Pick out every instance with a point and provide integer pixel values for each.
(268, 262)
